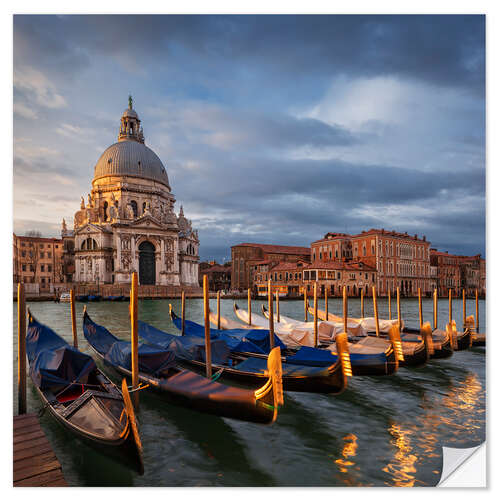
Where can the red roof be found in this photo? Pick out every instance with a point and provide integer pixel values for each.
(217, 269)
(394, 234)
(277, 248)
(285, 266)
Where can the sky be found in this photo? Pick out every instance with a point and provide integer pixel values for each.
(272, 129)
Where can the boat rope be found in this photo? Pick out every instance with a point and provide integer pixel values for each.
(217, 375)
(140, 387)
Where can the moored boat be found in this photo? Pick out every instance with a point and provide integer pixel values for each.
(80, 397)
(160, 369)
(365, 359)
(251, 371)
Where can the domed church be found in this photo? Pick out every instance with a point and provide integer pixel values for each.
(128, 223)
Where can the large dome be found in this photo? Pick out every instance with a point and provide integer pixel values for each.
(131, 158)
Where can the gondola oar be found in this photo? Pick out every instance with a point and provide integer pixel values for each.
(129, 409)
(218, 309)
(362, 303)
(326, 303)
(389, 303)
(183, 311)
(277, 306)
(435, 308)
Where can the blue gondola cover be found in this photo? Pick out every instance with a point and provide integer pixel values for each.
(184, 347)
(54, 364)
(119, 352)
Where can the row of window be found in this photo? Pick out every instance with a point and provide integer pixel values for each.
(42, 254)
(309, 275)
(23, 244)
(32, 268)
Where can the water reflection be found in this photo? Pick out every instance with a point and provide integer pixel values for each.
(402, 467)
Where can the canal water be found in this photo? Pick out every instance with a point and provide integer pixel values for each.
(382, 431)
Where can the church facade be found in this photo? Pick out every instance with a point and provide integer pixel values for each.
(128, 222)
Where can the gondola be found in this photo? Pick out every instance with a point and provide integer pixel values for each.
(94, 298)
(415, 353)
(416, 349)
(160, 369)
(82, 298)
(80, 397)
(251, 370)
(365, 359)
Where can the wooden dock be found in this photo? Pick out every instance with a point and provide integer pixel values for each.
(35, 463)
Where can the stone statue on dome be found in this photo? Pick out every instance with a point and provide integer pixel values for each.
(82, 204)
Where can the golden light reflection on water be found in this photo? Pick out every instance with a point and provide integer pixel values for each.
(348, 451)
(346, 464)
(402, 468)
(452, 417)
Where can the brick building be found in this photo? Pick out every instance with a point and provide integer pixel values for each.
(38, 262)
(398, 258)
(245, 257)
(459, 272)
(219, 277)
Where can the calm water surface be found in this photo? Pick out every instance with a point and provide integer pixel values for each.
(382, 431)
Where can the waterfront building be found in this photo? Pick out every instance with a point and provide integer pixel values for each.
(128, 222)
(400, 260)
(292, 279)
(245, 257)
(459, 272)
(38, 262)
(219, 277)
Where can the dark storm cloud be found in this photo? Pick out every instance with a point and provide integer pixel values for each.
(444, 50)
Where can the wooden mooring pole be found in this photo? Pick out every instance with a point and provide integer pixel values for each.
(389, 299)
(435, 308)
(249, 306)
(464, 309)
(362, 303)
(134, 339)
(277, 306)
(398, 303)
(344, 307)
(326, 303)
(270, 306)
(183, 311)
(477, 311)
(450, 314)
(206, 312)
(315, 314)
(218, 309)
(73, 318)
(21, 349)
(305, 304)
(420, 313)
(375, 310)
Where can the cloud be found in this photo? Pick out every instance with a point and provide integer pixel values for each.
(272, 128)
(37, 88)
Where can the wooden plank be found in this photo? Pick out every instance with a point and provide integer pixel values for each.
(27, 429)
(28, 444)
(57, 482)
(41, 480)
(26, 422)
(36, 470)
(32, 461)
(28, 436)
(32, 451)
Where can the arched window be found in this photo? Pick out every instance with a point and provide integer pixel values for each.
(105, 211)
(133, 204)
(143, 207)
(89, 244)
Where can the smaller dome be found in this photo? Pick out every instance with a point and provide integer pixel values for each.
(130, 113)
